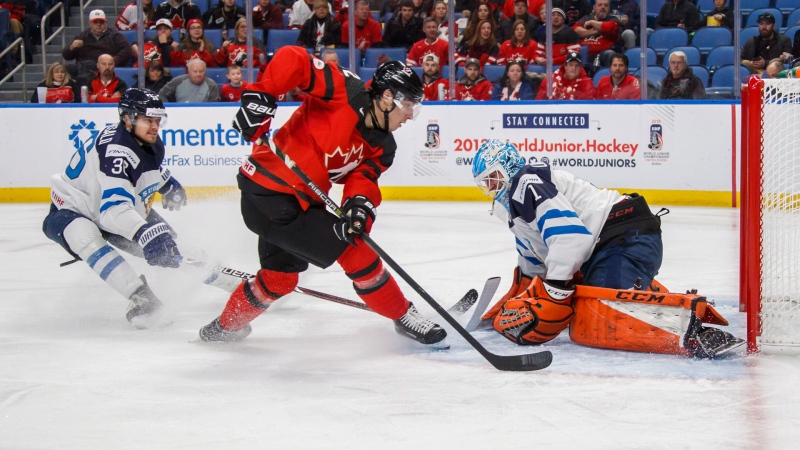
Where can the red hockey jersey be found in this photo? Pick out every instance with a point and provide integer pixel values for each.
(629, 89)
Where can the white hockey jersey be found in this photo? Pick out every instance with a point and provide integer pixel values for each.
(112, 182)
(556, 219)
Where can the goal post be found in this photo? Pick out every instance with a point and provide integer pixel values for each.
(769, 275)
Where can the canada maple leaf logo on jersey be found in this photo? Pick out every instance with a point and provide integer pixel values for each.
(340, 163)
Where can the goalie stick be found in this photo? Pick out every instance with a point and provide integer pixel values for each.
(516, 363)
(458, 308)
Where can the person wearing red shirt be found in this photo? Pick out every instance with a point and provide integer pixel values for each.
(232, 91)
(234, 51)
(195, 45)
(473, 85)
(565, 39)
(619, 85)
(267, 17)
(519, 48)
(434, 87)
(368, 30)
(599, 32)
(106, 87)
(533, 5)
(482, 46)
(431, 45)
(128, 18)
(161, 48)
(570, 82)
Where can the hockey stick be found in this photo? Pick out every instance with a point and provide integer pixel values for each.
(486, 296)
(527, 362)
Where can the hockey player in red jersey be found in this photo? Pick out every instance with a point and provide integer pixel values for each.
(341, 133)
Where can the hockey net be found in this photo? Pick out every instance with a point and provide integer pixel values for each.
(770, 215)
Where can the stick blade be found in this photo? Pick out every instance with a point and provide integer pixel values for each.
(522, 363)
(464, 304)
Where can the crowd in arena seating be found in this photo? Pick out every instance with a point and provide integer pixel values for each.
(500, 45)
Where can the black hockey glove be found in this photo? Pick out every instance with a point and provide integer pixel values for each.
(359, 213)
(173, 195)
(158, 246)
(254, 116)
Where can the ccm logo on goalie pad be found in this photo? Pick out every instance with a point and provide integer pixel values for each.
(260, 109)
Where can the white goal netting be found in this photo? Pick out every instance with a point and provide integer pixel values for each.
(780, 215)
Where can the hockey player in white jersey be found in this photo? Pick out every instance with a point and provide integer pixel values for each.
(105, 196)
(569, 232)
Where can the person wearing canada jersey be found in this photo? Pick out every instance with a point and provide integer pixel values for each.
(341, 133)
(430, 45)
(434, 87)
(519, 48)
(619, 85)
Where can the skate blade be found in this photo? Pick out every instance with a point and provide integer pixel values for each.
(438, 346)
(728, 350)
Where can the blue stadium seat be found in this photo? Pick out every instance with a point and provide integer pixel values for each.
(376, 17)
(417, 70)
(204, 5)
(746, 34)
(218, 74)
(702, 73)
(365, 73)
(752, 19)
(372, 54)
(177, 71)
(584, 51)
(664, 39)
(791, 32)
(748, 6)
(722, 82)
(707, 38)
(653, 8)
(130, 35)
(692, 55)
(536, 68)
(279, 38)
(258, 34)
(446, 72)
(214, 36)
(126, 74)
(705, 6)
(285, 20)
(786, 6)
(600, 74)
(654, 74)
(793, 19)
(5, 23)
(720, 56)
(635, 58)
(492, 72)
(344, 56)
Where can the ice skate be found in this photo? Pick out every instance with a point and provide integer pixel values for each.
(145, 310)
(413, 325)
(214, 332)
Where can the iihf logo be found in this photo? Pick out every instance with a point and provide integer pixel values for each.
(656, 137)
(433, 140)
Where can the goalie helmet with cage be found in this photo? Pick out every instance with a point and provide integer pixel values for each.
(401, 81)
(141, 102)
(495, 164)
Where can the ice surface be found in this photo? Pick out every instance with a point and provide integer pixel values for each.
(319, 375)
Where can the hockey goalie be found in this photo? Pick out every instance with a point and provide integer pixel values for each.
(587, 261)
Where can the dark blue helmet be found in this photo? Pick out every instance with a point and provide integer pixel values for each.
(141, 102)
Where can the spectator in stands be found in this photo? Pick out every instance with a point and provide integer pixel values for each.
(473, 85)
(106, 87)
(483, 12)
(619, 85)
(434, 87)
(387, 7)
(404, 29)
(574, 10)
(24, 20)
(506, 30)
(678, 13)
(16, 12)
(565, 40)
(329, 55)
(57, 87)
(193, 87)
(628, 14)
(195, 45)
(720, 16)
(368, 30)
(320, 30)
(532, 7)
(128, 18)
(267, 17)
(234, 51)
(160, 47)
(514, 84)
(768, 44)
(431, 45)
(519, 48)
(302, 10)
(774, 67)
(98, 40)
(570, 81)
(156, 76)
(443, 22)
(680, 82)
(232, 92)
(599, 32)
(481, 46)
(179, 12)
(224, 16)
(422, 8)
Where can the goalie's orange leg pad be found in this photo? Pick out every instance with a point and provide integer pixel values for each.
(373, 284)
(253, 297)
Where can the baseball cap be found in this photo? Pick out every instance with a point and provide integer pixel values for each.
(472, 61)
(431, 57)
(766, 17)
(573, 56)
(164, 22)
(98, 14)
(560, 11)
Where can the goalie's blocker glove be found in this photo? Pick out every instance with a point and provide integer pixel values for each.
(158, 246)
(358, 215)
(173, 195)
(254, 116)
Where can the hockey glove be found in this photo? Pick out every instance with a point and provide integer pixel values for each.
(158, 246)
(537, 315)
(254, 116)
(359, 213)
(173, 195)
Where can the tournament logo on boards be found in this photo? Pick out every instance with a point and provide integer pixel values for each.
(432, 151)
(656, 137)
(433, 140)
(655, 153)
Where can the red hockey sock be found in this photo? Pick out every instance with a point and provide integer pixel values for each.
(372, 282)
(252, 297)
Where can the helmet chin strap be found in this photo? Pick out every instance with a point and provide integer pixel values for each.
(385, 112)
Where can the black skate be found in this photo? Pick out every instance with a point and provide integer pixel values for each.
(214, 332)
(420, 329)
(713, 343)
(145, 310)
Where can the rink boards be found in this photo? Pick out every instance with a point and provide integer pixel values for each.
(681, 153)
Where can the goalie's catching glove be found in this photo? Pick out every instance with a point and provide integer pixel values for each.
(537, 315)
(358, 215)
(173, 195)
(254, 116)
